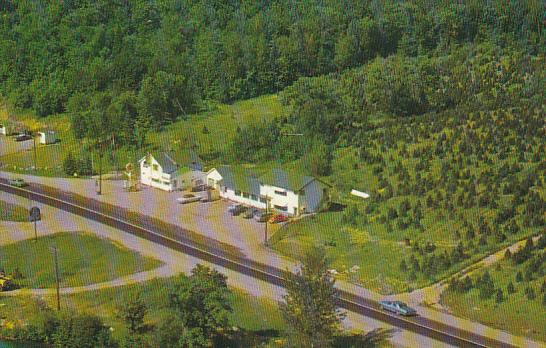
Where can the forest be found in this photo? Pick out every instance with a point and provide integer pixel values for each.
(134, 65)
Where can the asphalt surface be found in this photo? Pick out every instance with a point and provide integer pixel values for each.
(184, 241)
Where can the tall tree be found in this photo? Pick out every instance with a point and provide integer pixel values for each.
(310, 308)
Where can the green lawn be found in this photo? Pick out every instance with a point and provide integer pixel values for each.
(515, 314)
(258, 316)
(12, 212)
(221, 122)
(83, 259)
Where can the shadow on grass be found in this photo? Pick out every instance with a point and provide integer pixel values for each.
(247, 338)
(370, 339)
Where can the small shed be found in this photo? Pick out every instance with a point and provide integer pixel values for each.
(6, 129)
(47, 137)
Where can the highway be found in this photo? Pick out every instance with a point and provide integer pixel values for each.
(181, 240)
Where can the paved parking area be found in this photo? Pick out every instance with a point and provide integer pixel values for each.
(208, 219)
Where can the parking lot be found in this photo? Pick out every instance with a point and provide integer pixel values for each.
(210, 219)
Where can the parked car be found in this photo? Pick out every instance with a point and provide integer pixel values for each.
(236, 209)
(397, 307)
(249, 214)
(17, 182)
(262, 216)
(23, 137)
(188, 198)
(278, 218)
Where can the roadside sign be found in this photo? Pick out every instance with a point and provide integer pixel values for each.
(35, 214)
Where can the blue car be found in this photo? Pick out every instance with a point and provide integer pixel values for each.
(397, 307)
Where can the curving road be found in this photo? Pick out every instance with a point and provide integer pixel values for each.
(180, 239)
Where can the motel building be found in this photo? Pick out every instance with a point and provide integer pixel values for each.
(287, 193)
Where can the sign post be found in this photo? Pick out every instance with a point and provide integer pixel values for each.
(35, 216)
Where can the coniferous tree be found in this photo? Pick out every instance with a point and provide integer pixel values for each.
(310, 307)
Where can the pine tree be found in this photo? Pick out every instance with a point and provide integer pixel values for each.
(499, 298)
(519, 277)
(310, 307)
(510, 288)
(69, 164)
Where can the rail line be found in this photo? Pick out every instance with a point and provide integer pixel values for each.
(434, 329)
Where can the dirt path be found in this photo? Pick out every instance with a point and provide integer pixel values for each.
(430, 295)
(160, 272)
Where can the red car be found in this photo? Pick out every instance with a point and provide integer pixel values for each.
(278, 218)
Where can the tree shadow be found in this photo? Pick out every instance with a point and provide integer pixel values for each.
(247, 338)
(369, 339)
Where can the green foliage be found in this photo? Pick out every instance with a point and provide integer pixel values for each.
(132, 313)
(310, 308)
(81, 331)
(202, 307)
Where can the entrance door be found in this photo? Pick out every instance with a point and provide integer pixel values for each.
(295, 211)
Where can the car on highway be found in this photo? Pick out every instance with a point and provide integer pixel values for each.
(277, 218)
(23, 137)
(188, 198)
(262, 216)
(249, 213)
(17, 182)
(236, 209)
(397, 307)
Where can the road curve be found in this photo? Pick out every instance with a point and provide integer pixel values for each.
(178, 240)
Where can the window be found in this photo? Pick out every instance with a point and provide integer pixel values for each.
(155, 167)
(246, 195)
(263, 200)
(280, 193)
(156, 180)
(237, 193)
(254, 197)
(281, 208)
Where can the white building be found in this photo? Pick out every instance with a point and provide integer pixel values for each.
(5, 129)
(47, 137)
(286, 193)
(164, 173)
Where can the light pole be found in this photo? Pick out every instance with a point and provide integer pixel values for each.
(267, 199)
(54, 250)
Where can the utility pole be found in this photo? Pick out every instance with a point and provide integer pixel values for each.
(267, 219)
(54, 249)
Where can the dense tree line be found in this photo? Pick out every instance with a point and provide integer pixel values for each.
(161, 60)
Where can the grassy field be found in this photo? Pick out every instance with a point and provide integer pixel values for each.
(515, 313)
(12, 212)
(258, 316)
(83, 259)
(259, 319)
(376, 243)
(221, 123)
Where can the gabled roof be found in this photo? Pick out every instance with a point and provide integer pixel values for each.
(241, 179)
(189, 159)
(167, 163)
(288, 180)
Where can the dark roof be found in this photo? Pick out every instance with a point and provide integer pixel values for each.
(288, 180)
(191, 159)
(167, 163)
(240, 179)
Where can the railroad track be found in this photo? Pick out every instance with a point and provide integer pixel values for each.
(427, 327)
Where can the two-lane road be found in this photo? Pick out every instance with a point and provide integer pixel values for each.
(181, 240)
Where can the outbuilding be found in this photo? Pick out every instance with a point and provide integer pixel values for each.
(47, 137)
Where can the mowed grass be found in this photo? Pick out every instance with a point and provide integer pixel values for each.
(515, 314)
(211, 132)
(258, 315)
(221, 126)
(83, 259)
(12, 212)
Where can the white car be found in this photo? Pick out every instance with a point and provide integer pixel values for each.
(188, 198)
